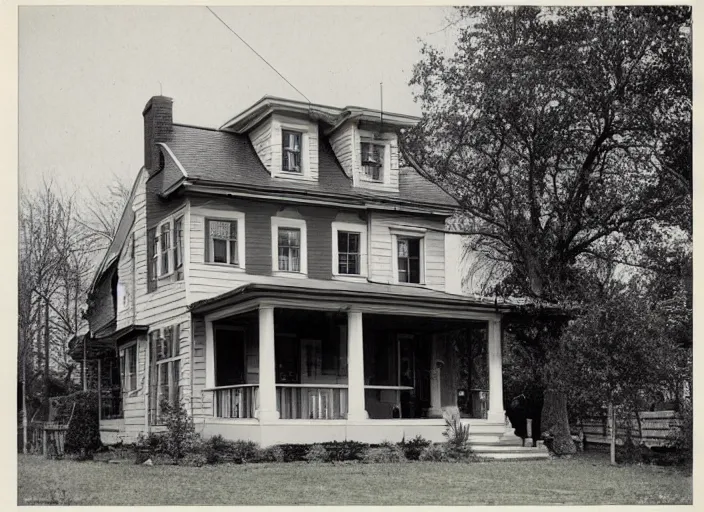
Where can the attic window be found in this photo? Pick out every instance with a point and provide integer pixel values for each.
(291, 154)
(373, 161)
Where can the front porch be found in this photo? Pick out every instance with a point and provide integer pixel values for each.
(303, 371)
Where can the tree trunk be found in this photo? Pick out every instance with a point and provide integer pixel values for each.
(46, 353)
(24, 404)
(612, 418)
(555, 423)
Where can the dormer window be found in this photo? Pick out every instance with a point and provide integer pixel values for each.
(291, 154)
(373, 161)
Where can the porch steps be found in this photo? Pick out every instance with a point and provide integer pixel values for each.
(498, 451)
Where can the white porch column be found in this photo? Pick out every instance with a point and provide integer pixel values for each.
(209, 355)
(267, 366)
(435, 410)
(496, 393)
(355, 367)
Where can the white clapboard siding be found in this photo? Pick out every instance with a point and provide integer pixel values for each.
(262, 141)
(342, 142)
(381, 250)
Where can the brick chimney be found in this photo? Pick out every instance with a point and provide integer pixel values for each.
(158, 119)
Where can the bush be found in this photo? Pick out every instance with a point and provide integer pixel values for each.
(457, 436)
(193, 459)
(271, 454)
(386, 453)
(83, 434)
(413, 448)
(345, 450)
(434, 453)
(217, 449)
(317, 453)
(151, 444)
(180, 436)
(682, 439)
(294, 452)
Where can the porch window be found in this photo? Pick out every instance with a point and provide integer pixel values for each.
(165, 371)
(373, 160)
(291, 153)
(222, 241)
(348, 252)
(408, 259)
(289, 249)
(128, 368)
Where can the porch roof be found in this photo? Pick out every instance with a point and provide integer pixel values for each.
(365, 293)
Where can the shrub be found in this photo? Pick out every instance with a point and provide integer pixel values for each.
(271, 454)
(413, 448)
(345, 450)
(193, 459)
(180, 436)
(294, 452)
(217, 449)
(434, 453)
(682, 439)
(385, 453)
(83, 434)
(317, 453)
(457, 436)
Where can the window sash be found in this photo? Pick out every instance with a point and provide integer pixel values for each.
(178, 246)
(408, 251)
(128, 368)
(373, 160)
(348, 253)
(227, 243)
(289, 250)
(291, 150)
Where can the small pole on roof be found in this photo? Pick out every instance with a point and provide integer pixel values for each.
(381, 100)
(161, 92)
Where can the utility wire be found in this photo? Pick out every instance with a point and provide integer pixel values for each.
(257, 54)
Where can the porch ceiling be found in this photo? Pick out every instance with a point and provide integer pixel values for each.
(368, 294)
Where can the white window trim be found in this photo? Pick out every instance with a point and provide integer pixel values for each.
(284, 222)
(228, 216)
(306, 129)
(158, 362)
(407, 233)
(363, 265)
(126, 380)
(170, 221)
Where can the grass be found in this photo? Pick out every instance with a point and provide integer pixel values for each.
(583, 480)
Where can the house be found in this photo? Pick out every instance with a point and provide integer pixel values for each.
(287, 280)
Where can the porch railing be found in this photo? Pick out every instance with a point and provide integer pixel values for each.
(239, 401)
(311, 401)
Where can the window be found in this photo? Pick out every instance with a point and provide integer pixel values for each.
(164, 248)
(289, 249)
(291, 154)
(165, 369)
(373, 160)
(289, 246)
(348, 253)
(222, 242)
(178, 246)
(128, 368)
(408, 251)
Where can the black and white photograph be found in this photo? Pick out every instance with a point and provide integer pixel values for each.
(334, 255)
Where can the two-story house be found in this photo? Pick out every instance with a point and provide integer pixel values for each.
(285, 279)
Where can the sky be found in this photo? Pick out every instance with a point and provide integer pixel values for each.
(85, 73)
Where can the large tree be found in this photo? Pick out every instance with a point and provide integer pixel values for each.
(563, 133)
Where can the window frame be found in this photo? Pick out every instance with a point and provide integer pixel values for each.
(381, 165)
(350, 227)
(156, 365)
(285, 150)
(419, 234)
(288, 223)
(309, 138)
(125, 359)
(174, 251)
(367, 137)
(207, 215)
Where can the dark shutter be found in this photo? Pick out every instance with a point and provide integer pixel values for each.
(176, 331)
(206, 239)
(151, 271)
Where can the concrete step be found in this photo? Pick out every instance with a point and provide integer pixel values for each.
(497, 448)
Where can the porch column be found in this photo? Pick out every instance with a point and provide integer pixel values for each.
(435, 410)
(267, 366)
(355, 367)
(496, 394)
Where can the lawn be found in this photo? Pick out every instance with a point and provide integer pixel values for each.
(583, 480)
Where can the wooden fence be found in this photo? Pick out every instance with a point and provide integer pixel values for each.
(654, 429)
